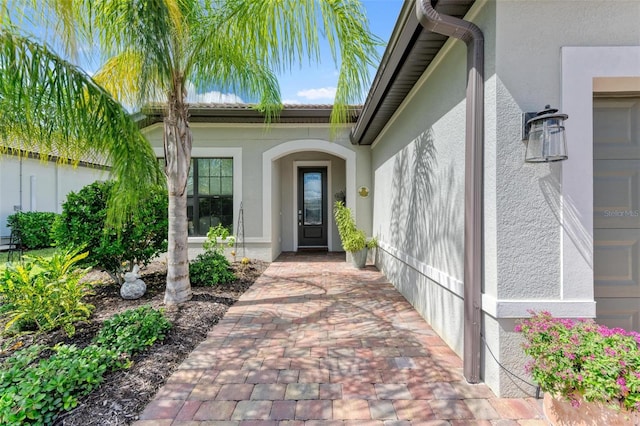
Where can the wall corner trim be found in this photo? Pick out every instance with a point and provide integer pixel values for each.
(504, 308)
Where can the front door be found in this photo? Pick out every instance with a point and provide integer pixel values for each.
(616, 211)
(312, 207)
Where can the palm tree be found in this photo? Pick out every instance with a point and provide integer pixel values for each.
(154, 48)
(50, 106)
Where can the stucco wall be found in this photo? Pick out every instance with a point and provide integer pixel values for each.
(527, 79)
(276, 209)
(419, 172)
(419, 199)
(528, 197)
(39, 186)
(288, 200)
(266, 172)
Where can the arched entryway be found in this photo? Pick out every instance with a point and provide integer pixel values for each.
(281, 165)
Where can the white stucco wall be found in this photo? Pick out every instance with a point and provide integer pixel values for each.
(418, 168)
(530, 208)
(276, 209)
(524, 221)
(39, 186)
(266, 156)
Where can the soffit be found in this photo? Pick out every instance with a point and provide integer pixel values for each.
(246, 113)
(409, 53)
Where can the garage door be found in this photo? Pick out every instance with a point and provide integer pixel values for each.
(616, 210)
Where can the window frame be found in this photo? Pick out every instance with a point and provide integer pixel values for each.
(219, 152)
(196, 197)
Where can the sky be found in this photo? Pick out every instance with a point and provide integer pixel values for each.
(316, 84)
(309, 84)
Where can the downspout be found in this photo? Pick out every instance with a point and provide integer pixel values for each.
(466, 31)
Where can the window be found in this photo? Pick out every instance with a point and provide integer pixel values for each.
(210, 194)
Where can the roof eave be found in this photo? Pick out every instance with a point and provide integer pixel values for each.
(400, 42)
(409, 53)
(246, 113)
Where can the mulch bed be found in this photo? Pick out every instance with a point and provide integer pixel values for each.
(124, 394)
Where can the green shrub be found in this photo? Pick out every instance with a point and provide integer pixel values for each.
(35, 392)
(45, 293)
(133, 330)
(210, 268)
(82, 224)
(582, 360)
(217, 238)
(34, 228)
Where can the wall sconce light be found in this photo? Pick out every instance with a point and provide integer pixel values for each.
(544, 133)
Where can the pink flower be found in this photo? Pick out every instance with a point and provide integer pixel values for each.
(623, 385)
(572, 357)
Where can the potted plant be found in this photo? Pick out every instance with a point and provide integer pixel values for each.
(354, 240)
(585, 369)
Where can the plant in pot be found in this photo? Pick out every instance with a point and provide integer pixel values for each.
(589, 372)
(354, 240)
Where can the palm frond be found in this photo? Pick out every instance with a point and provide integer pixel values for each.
(61, 20)
(52, 107)
(223, 64)
(121, 76)
(155, 29)
(280, 33)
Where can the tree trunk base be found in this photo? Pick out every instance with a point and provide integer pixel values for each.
(177, 298)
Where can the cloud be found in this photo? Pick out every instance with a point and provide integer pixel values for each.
(215, 97)
(291, 102)
(322, 93)
(211, 97)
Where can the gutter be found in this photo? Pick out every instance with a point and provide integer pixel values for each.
(395, 53)
(468, 32)
(245, 113)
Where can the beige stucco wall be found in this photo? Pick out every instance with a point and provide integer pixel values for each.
(418, 164)
(286, 170)
(39, 186)
(265, 181)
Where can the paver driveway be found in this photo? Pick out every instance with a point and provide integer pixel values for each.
(318, 342)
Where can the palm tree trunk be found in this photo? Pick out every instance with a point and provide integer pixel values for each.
(177, 151)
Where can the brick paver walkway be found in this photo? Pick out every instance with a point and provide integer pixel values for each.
(317, 342)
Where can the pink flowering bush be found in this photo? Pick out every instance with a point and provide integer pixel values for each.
(579, 358)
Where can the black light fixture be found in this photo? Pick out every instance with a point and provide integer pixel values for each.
(544, 133)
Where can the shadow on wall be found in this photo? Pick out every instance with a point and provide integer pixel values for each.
(567, 216)
(427, 223)
(427, 218)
